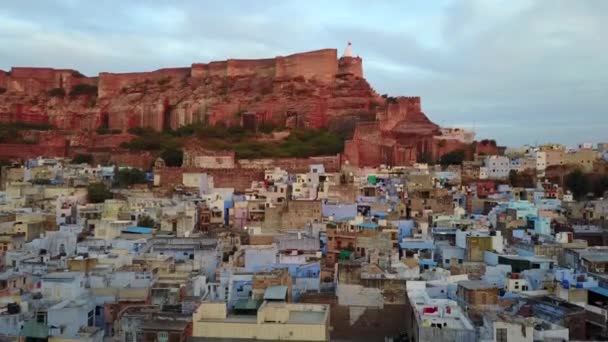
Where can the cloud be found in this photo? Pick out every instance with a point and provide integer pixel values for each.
(515, 68)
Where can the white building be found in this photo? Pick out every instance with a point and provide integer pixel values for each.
(498, 167)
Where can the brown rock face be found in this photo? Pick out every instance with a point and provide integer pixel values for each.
(310, 89)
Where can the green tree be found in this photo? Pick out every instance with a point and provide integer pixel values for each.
(578, 183)
(98, 193)
(146, 221)
(521, 179)
(455, 157)
(41, 181)
(600, 185)
(173, 156)
(82, 159)
(129, 176)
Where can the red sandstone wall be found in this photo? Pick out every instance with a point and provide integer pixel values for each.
(443, 146)
(143, 160)
(350, 65)
(351, 153)
(239, 179)
(32, 81)
(301, 165)
(397, 110)
(3, 80)
(110, 83)
(320, 64)
(234, 68)
(109, 141)
(257, 67)
(24, 151)
(486, 147)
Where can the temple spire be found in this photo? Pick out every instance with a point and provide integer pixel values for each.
(348, 52)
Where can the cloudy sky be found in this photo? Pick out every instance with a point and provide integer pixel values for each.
(519, 71)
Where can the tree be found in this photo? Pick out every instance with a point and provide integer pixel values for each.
(98, 193)
(578, 183)
(82, 159)
(129, 176)
(600, 186)
(521, 179)
(452, 158)
(146, 221)
(173, 156)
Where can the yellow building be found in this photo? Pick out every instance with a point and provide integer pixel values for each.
(112, 208)
(30, 225)
(584, 158)
(555, 157)
(273, 321)
(111, 229)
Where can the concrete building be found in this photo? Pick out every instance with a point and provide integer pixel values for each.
(433, 318)
(498, 167)
(272, 321)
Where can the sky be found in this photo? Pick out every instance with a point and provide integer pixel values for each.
(518, 71)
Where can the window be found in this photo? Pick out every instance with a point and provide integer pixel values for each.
(162, 336)
(41, 317)
(91, 320)
(501, 334)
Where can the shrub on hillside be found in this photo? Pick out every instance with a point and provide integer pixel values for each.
(129, 176)
(83, 89)
(98, 193)
(82, 159)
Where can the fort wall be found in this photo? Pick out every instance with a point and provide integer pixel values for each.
(112, 83)
(350, 65)
(321, 65)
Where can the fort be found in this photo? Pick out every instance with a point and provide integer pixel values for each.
(314, 89)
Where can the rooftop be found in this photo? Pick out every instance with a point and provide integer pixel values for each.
(138, 230)
(476, 285)
(435, 312)
(275, 293)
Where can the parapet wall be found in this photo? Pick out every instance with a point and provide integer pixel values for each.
(111, 83)
(235, 68)
(331, 163)
(321, 65)
(32, 81)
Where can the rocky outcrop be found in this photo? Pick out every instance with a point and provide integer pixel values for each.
(312, 89)
(308, 89)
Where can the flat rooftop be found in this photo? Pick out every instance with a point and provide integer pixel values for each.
(306, 317)
(436, 312)
(476, 285)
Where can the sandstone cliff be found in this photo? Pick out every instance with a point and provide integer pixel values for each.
(312, 89)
